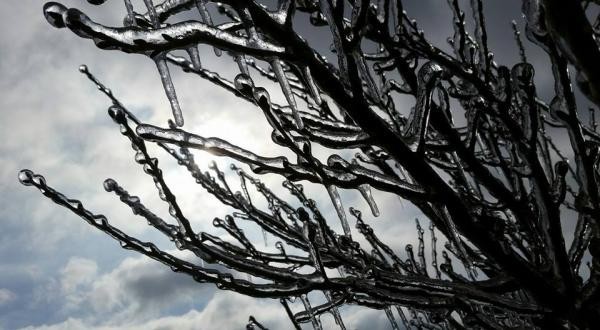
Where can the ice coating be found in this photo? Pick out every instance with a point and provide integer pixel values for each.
(53, 12)
(194, 57)
(314, 90)
(316, 323)
(26, 177)
(391, 318)
(244, 83)
(165, 77)
(365, 191)
(205, 14)
(287, 91)
(164, 38)
(416, 129)
(339, 208)
(493, 190)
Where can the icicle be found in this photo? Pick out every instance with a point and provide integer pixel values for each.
(314, 90)
(366, 76)
(421, 249)
(287, 91)
(201, 5)
(130, 19)
(434, 262)
(517, 34)
(339, 208)
(152, 13)
(365, 191)
(264, 233)
(165, 76)
(415, 130)
(194, 57)
(335, 311)
(457, 242)
(313, 318)
(403, 317)
(328, 12)
(242, 65)
(391, 318)
(289, 313)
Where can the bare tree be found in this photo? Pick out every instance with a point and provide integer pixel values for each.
(498, 189)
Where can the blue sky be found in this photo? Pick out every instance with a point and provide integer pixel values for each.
(58, 273)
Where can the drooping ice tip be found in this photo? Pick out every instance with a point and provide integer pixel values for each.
(54, 13)
(261, 96)
(25, 177)
(28, 178)
(243, 83)
(109, 185)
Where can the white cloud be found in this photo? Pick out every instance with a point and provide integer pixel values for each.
(6, 296)
(229, 310)
(77, 274)
(137, 289)
(226, 310)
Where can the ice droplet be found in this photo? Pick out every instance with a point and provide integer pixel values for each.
(109, 184)
(53, 12)
(243, 83)
(261, 96)
(26, 177)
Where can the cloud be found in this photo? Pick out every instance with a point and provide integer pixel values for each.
(54, 121)
(6, 296)
(137, 289)
(229, 310)
(226, 311)
(77, 273)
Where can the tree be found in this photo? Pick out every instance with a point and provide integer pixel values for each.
(498, 188)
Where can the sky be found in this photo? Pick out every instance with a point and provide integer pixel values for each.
(56, 272)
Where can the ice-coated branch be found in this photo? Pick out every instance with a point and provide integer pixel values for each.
(171, 37)
(281, 165)
(497, 190)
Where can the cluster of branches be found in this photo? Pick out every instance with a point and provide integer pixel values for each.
(496, 188)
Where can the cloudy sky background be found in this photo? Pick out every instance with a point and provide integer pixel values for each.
(56, 272)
